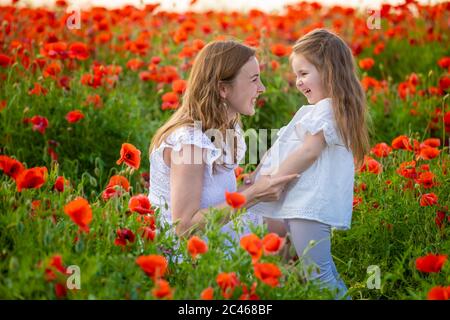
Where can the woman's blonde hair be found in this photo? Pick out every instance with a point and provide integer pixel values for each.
(218, 62)
(334, 61)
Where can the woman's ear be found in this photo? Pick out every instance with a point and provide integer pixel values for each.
(223, 90)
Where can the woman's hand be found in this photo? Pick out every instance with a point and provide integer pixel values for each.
(270, 189)
(250, 178)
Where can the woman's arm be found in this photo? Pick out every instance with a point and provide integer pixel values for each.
(186, 184)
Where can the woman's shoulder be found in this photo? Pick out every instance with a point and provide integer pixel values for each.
(186, 135)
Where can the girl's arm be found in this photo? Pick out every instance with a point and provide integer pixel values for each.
(186, 184)
(297, 162)
(303, 157)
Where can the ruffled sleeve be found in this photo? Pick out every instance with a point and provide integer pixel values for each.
(192, 136)
(320, 118)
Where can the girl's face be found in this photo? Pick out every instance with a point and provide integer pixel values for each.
(308, 79)
(247, 86)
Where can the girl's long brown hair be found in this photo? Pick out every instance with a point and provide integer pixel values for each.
(334, 60)
(218, 62)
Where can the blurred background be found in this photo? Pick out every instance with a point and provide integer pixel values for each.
(241, 5)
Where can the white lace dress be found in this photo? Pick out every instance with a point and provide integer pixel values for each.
(214, 184)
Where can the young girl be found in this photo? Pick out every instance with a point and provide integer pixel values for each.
(320, 143)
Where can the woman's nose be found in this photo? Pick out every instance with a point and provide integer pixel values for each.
(261, 88)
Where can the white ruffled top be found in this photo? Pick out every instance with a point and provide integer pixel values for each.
(214, 183)
(324, 192)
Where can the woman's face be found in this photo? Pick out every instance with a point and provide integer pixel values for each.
(247, 86)
(308, 79)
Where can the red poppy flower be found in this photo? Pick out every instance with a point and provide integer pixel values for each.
(444, 62)
(39, 123)
(115, 186)
(401, 142)
(60, 183)
(440, 218)
(60, 290)
(155, 266)
(432, 142)
(11, 167)
(55, 50)
(249, 295)
(5, 60)
(227, 282)
(235, 199)
(381, 150)
(356, 201)
(366, 64)
(146, 220)
(207, 294)
(130, 155)
(124, 236)
(79, 51)
(428, 153)
(93, 81)
(444, 83)
(408, 169)
(135, 64)
(439, 293)
(280, 50)
(74, 116)
(253, 245)
(32, 178)
(428, 199)
(431, 263)
(80, 212)
(94, 100)
(38, 90)
(196, 246)
(170, 101)
(238, 171)
(140, 204)
(274, 64)
(179, 86)
(272, 243)
(162, 290)
(52, 70)
(371, 165)
(147, 233)
(405, 89)
(55, 265)
(426, 179)
(267, 273)
(155, 60)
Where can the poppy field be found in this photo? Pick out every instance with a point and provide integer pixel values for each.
(79, 106)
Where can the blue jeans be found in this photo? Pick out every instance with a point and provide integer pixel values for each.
(317, 257)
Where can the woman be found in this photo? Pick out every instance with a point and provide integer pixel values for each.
(190, 168)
